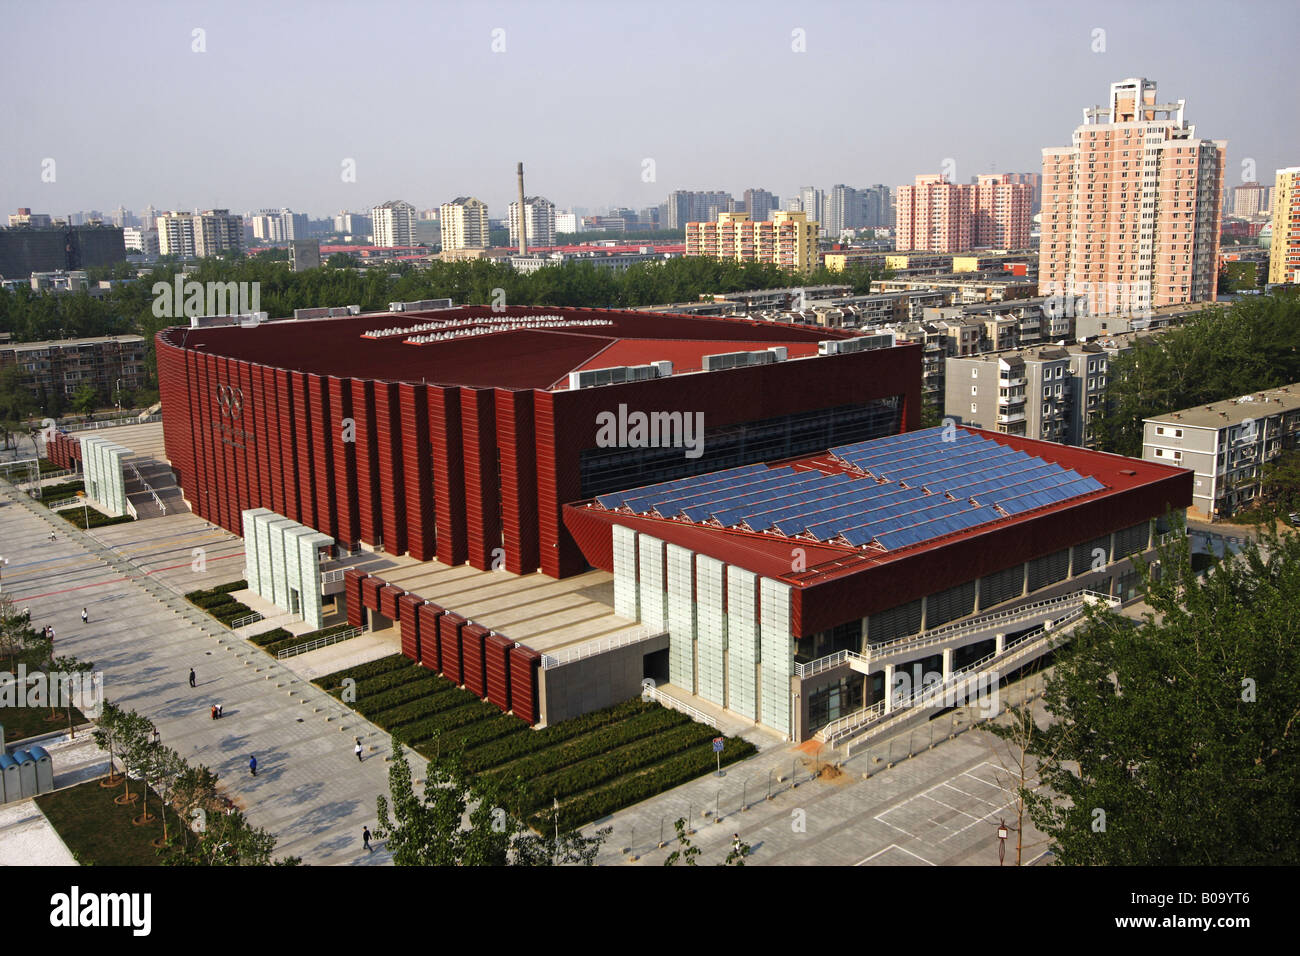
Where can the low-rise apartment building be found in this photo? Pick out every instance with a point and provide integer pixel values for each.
(1226, 445)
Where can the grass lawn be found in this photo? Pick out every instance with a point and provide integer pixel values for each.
(593, 764)
(97, 830)
(22, 722)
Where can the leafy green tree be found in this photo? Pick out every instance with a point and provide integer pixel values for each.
(133, 742)
(463, 820)
(1174, 741)
(108, 734)
(85, 400)
(685, 852)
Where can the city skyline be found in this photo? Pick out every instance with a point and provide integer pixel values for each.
(227, 134)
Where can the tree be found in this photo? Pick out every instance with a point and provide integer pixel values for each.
(685, 852)
(135, 733)
(85, 400)
(14, 631)
(66, 666)
(108, 734)
(433, 830)
(1020, 771)
(1175, 739)
(168, 768)
(194, 794)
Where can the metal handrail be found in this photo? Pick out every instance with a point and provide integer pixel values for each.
(319, 642)
(1049, 631)
(649, 692)
(109, 423)
(590, 649)
(63, 503)
(239, 622)
(938, 635)
(130, 509)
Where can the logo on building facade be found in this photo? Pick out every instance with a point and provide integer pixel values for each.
(230, 399)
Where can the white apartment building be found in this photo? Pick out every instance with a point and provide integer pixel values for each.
(1226, 444)
(197, 235)
(393, 224)
(464, 224)
(539, 222)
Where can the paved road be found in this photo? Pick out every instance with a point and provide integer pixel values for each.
(310, 790)
(939, 808)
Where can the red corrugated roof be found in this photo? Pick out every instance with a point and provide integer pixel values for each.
(524, 358)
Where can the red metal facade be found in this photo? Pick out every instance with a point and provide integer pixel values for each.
(464, 473)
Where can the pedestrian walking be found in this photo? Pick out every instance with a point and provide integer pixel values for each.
(51, 537)
(365, 838)
(214, 711)
(357, 750)
(85, 616)
(192, 684)
(252, 765)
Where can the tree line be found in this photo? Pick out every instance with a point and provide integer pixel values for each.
(1219, 354)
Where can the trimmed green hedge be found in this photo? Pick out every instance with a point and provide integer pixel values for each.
(416, 731)
(98, 519)
(624, 792)
(643, 753)
(428, 687)
(482, 732)
(270, 637)
(334, 682)
(58, 492)
(426, 705)
(599, 741)
(500, 752)
(372, 686)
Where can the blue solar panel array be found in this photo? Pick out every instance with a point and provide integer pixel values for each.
(911, 488)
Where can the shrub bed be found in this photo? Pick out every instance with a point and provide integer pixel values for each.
(270, 637)
(98, 519)
(579, 777)
(493, 755)
(416, 731)
(372, 686)
(624, 792)
(428, 703)
(58, 492)
(427, 687)
(333, 682)
(599, 741)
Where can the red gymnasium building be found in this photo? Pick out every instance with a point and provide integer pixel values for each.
(461, 434)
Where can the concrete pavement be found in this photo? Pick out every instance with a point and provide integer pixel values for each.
(309, 791)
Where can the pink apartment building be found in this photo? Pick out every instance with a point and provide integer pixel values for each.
(935, 215)
(1131, 211)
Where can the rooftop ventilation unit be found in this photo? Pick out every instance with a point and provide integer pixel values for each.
(618, 374)
(420, 305)
(861, 343)
(725, 360)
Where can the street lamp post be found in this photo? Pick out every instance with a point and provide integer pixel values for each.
(3, 562)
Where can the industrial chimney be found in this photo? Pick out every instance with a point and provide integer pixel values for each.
(523, 217)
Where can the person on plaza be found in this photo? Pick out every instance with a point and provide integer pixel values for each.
(357, 750)
(51, 537)
(85, 616)
(252, 765)
(365, 838)
(214, 711)
(192, 684)
(219, 712)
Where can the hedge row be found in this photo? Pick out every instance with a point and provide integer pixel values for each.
(98, 519)
(582, 776)
(494, 755)
(599, 741)
(624, 792)
(332, 682)
(475, 711)
(270, 637)
(67, 489)
(372, 686)
(483, 731)
(427, 692)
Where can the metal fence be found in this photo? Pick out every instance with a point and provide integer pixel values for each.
(319, 642)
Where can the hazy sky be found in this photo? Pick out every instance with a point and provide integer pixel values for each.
(586, 91)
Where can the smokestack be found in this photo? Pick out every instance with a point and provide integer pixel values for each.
(523, 218)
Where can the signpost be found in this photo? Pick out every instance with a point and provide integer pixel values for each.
(717, 749)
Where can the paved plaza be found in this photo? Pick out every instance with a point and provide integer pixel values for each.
(310, 790)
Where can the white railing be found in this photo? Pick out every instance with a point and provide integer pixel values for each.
(63, 503)
(130, 509)
(592, 648)
(945, 633)
(239, 622)
(649, 693)
(110, 423)
(1030, 644)
(319, 642)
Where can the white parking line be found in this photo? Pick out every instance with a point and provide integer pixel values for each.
(893, 846)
